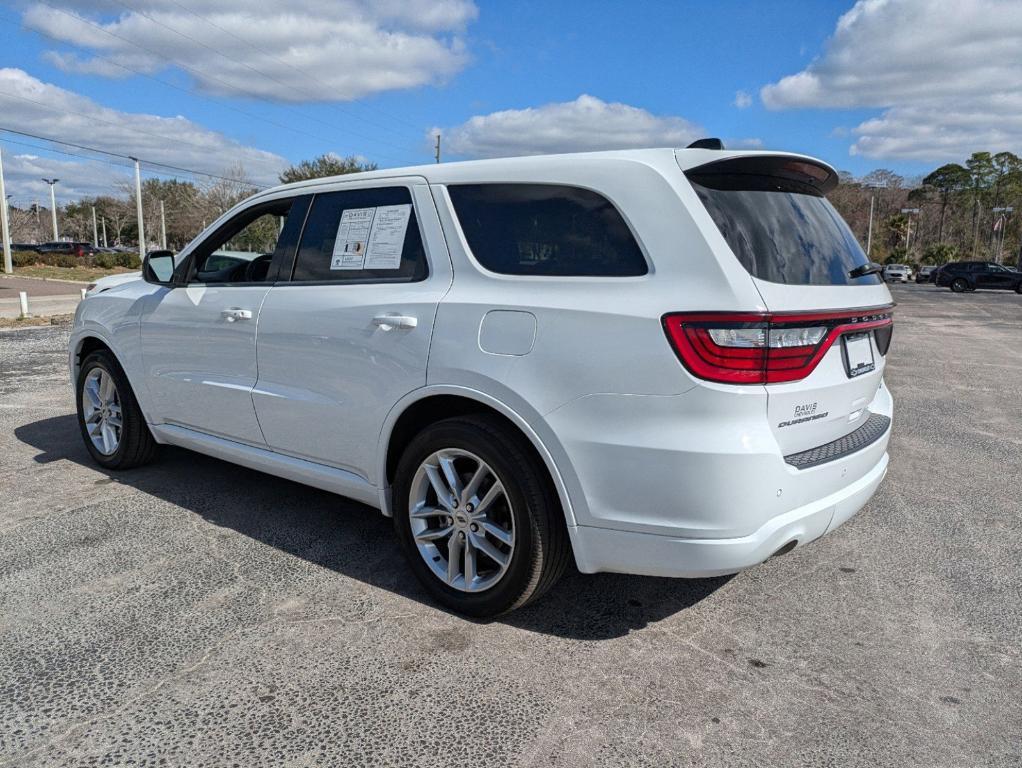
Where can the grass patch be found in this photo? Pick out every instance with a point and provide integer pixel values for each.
(81, 274)
(34, 320)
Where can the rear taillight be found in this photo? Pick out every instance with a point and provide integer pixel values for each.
(766, 348)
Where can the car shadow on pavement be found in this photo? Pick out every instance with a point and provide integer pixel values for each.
(356, 541)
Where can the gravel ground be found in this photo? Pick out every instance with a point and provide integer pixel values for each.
(196, 613)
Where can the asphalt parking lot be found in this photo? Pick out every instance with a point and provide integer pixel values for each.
(196, 613)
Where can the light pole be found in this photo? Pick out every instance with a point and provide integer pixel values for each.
(138, 208)
(908, 230)
(53, 205)
(5, 221)
(872, 200)
(1002, 225)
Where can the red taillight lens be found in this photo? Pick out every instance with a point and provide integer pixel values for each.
(764, 348)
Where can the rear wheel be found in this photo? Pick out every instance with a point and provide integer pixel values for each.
(958, 285)
(112, 424)
(477, 517)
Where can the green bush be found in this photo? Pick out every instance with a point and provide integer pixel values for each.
(24, 258)
(65, 260)
(106, 260)
(129, 260)
(939, 253)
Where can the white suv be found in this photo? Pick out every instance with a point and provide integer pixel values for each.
(664, 362)
(897, 272)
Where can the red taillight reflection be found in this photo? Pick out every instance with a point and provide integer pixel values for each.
(764, 348)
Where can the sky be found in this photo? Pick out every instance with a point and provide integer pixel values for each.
(210, 85)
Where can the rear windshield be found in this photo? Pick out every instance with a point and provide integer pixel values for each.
(781, 227)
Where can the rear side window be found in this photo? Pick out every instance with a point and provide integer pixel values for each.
(773, 214)
(360, 236)
(545, 229)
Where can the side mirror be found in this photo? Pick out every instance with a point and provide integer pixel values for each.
(158, 267)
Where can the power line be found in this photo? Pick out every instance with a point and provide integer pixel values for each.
(190, 92)
(147, 163)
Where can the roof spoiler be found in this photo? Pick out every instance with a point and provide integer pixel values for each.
(706, 144)
(766, 173)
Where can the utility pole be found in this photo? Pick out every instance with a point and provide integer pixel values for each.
(138, 209)
(163, 227)
(908, 229)
(95, 229)
(1002, 225)
(869, 234)
(5, 221)
(53, 205)
(438, 147)
(103, 219)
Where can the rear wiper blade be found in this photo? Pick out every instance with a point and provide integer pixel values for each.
(869, 268)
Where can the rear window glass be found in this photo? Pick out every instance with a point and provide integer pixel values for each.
(546, 229)
(781, 230)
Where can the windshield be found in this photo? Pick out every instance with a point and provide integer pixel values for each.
(781, 229)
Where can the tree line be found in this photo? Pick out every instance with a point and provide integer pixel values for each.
(187, 207)
(962, 212)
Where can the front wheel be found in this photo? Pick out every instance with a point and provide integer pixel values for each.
(958, 285)
(477, 516)
(112, 424)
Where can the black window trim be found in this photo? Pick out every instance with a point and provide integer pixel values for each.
(287, 280)
(650, 269)
(184, 272)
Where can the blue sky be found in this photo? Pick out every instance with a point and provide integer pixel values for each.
(845, 82)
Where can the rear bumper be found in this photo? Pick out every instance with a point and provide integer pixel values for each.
(604, 549)
(697, 485)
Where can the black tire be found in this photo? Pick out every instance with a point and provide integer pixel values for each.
(959, 285)
(1018, 287)
(541, 549)
(136, 446)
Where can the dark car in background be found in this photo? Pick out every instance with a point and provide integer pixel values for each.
(972, 275)
(71, 248)
(926, 273)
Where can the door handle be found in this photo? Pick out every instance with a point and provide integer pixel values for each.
(236, 313)
(387, 322)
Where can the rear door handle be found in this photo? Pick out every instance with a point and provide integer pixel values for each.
(236, 313)
(387, 322)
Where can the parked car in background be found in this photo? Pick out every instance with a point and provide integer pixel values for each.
(925, 274)
(75, 249)
(24, 246)
(897, 273)
(513, 359)
(972, 275)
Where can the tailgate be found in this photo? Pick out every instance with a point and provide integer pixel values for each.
(834, 399)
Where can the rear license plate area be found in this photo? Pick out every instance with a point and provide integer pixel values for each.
(857, 351)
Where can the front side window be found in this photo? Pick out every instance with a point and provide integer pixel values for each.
(242, 250)
(545, 229)
(361, 235)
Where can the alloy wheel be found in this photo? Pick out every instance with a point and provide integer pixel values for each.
(101, 408)
(461, 520)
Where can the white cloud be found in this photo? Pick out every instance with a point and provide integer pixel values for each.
(582, 125)
(302, 51)
(32, 106)
(945, 73)
(742, 100)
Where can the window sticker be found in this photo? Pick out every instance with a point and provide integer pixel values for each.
(371, 238)
(387, 239)
(352, 238)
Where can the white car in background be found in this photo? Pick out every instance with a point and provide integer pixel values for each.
(897, 273)
(664, 362)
